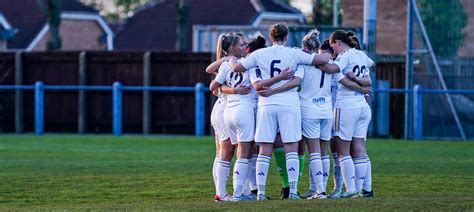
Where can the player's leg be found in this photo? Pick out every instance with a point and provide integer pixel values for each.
(241, 168)
(367, 190)
(312, 184)
(336, 173)
(311, 133)
(316, 167)
(289, 122)
(216, 141)
(344, 133)
(227, 148)
(216, 159)
(244, 121)
(301, 151)
(358, 148)
(358, 154)
(325, 161)
(250, 186)
(326, 125)
(280, 159)
(223, 169)
(265, 132)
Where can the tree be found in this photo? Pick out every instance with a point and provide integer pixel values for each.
(322, 12)
(444, 22)
(51, 8)
(115, 9)
(182, 20)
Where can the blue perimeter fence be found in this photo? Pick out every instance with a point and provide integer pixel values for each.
(199, 91)
(117, 89)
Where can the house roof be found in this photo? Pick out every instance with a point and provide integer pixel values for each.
(154, 25)
(28, 26)
(6, 31)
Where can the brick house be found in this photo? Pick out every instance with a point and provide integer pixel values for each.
(153, 27)
(82, 28)
(391, 25)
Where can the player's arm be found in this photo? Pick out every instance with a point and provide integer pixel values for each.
(267, 91)
(330, 68)
(321, 59)
(365, 81)
(284, 75)
(236, 66)
(242, 90)
(337, 65)
(214, 66)
(354, 86)
(313, 59)
(214, 85)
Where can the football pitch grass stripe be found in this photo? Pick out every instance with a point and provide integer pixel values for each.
(174, 173)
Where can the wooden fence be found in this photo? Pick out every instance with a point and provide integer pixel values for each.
(171, 112)
(394, 73)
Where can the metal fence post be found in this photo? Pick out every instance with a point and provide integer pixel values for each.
(199, 102)
(18, 93)
(39, 108)
(382, 113)
(147, 94)
(117, 108)
(82, 99)
(417, 112)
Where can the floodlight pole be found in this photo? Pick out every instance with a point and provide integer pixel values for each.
(369, 41)
(408, 69)
(370, 27)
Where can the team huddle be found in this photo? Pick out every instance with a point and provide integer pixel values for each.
(281, 100)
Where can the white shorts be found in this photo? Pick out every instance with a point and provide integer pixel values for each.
(217, 120)
(317, 128)
(274, 118)
(240, 122)
(351, 123)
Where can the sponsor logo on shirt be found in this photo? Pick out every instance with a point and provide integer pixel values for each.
(319, 100)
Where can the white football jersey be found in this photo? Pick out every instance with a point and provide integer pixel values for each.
(270, 62)
(232, 79)
(351, 60)
(315, 93)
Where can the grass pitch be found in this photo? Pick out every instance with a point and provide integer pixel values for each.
(174, 173)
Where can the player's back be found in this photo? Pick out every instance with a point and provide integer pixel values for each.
(315, 88)
(356, 63)
(271, 61)
(233, 79)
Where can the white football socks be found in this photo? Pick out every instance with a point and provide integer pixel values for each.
(326, 168)
(338, 182)
(293, 170)
(241, 168)
(222, 173)
(360, 166)
(348, 172)
(316, 167)
(367, 185)
(263, 163)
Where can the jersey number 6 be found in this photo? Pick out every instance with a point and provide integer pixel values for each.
(274, 69)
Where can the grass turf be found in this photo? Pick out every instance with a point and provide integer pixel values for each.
(150, 173)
